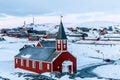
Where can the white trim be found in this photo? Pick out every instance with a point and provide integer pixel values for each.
(64, 46)
(64, 41)
(56, 56)
(48, 66)
(58, 42)
(33, 64)
(16, 61)
(27, 63)
(58, 46)
(22, 62)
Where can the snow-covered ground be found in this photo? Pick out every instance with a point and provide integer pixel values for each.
(108, 71)
(83, 53)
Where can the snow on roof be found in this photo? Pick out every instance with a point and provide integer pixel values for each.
(26, 56)
(36, 53)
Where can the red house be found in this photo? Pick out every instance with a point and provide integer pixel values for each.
(48, 59)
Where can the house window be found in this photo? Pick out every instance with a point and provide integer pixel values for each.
(58, 41)
(27, 63)
(33, 64)
(58, 46)
(64, 41)
(64, 46)
(48, 66)
(40, 65)
(22, 62)
(16, 60)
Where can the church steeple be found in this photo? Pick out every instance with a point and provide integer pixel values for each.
(61, 33)
(61, 41)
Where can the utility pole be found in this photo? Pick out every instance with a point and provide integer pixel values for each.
(24, 23)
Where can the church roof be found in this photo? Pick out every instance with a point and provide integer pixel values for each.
(61, 32)
(48, 43)
(35, 53)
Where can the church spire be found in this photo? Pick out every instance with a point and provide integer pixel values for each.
(61, 41)
(61, 32)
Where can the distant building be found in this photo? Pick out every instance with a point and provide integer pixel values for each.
(83, 29)
(48, 59)
(33, 38)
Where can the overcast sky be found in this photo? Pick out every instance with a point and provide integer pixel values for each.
(14, 12)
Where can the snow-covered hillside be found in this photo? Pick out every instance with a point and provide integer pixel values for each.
(51, 28)
(98, 24)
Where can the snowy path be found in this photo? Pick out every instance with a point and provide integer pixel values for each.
(87, 71)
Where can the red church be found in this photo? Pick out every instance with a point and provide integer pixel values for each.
(48, 59)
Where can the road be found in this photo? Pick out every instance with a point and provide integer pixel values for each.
(87, 71)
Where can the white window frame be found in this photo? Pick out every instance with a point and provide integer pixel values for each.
(64, 46)
(40, 65)
(48, 66)
(58, 46)
(22, 62)
(27, 63)
(58, 41)
(33, 64)
(16, 61)
(64, 41)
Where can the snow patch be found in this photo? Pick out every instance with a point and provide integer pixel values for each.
(108, 71)
(26, 56)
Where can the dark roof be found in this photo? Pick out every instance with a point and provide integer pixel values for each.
(61, 33)
(53, 56)
(48, 43)
(41, 54)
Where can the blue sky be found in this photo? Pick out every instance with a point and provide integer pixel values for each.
(84, 9)
(39, 7)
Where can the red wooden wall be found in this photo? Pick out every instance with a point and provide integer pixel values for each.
(30, 68)
(57, 64)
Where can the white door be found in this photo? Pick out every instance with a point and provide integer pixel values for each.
(66, 65)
